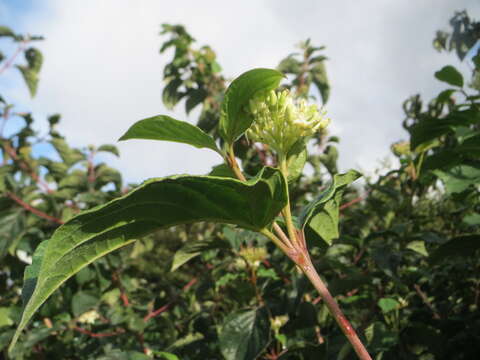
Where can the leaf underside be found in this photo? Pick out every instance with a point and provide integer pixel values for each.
(321, 215)
(157, 203)
(165, 128)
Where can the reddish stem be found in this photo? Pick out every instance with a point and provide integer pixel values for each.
(32, 209)
(27, 168)
(98, 335)
(10, 61)
(167, 306)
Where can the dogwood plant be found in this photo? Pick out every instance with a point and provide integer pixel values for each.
(252, 107)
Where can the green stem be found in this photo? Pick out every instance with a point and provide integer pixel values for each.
(275, 240)
(287, 213)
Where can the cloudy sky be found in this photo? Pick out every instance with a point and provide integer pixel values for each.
(103, 72)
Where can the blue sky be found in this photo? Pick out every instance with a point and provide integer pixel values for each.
(102, 69)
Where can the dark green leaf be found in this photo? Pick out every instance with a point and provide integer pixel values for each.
(463, 246)
(194, 98)
(431, 128)
(170, 95)
(34, 59)
(450, 75)
(109, 148)
(157, 203)
(234, 119)
(166, 128)
(245, 335)
(192, 249)
(222, 170)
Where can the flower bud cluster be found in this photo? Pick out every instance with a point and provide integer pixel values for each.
(280, 120)
(401, 148)
(254, 255)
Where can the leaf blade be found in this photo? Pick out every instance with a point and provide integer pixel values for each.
(321, 215)
(179, 199)
(165, 128)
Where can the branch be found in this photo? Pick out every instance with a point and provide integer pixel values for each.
(123, 293)
(11, 151)
(98, 335)
(335, 311)
(32, 209)
(10, 61)
(167, 306)
(427, 302)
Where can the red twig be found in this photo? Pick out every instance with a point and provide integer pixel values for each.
(91, 169)
(353, 202)
(10, 61)
(165, 307)
(98, 335)
(123, 293)
(157, 312)
(33, 210)
(427, 302)
(26, 168)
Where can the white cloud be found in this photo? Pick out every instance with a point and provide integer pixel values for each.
(103, 71)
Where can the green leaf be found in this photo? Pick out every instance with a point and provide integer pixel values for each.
(192, 249)
(222, 170)
(109, 148)
(289, 65)
(245, 335)
(431, 128)
(105, 175)
(166, 355)
(321, 215)
(69, 156)
(194, 98)
(156, 204)
(461, 246)
(5, 319)
(472, 219)
(34, 59)
(418, 246)
(170, 95)
(30, 77)
(166, 128)
(450, 75)
(320, 79)
(82, 302)
(459, 178)
(296, 159)
(6, 31)
(234, 119)
(12, 226)
(388, 304)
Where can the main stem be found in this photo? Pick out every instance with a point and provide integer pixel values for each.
(295, 248)
(332, 305)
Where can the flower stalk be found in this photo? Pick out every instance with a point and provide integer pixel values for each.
(280, 121)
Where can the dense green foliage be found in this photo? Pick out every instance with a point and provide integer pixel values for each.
(404, 265)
